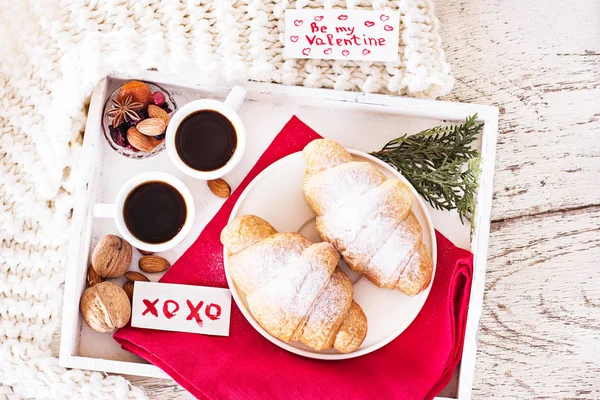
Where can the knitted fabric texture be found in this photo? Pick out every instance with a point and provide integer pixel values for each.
(53, 53)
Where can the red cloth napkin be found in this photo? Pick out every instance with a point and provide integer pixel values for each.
(416, 365)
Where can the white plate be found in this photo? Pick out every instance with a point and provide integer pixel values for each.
(276, 195)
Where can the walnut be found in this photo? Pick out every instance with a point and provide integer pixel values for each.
(112, 257)
(105, 307)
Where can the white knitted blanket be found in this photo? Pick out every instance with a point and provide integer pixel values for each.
(53, 52)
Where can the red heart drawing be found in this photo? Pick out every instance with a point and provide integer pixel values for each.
(384, 17)
(343, 17)
(345, 53)
(327, 51)
(369, 24)
(294, 38)
(365, 52)
(298, 22)
(388, 28)
(306, 51)
(319, 18)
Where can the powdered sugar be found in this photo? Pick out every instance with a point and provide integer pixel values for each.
(360, 228)
(417, 273)
(328, 312)
(290, 289)
(389, 261)
(283, 303)
(255, 266)
(366, 217)
(335, 187)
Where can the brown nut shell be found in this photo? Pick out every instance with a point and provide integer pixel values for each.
(105, 307)
(92, 277)
(128, 288)
(144, 252)
(136, 276)
(111, 257)
(152, 264)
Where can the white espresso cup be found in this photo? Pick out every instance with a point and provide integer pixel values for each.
(228, 109)
(117, 210)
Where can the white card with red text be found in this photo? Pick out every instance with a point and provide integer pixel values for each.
(342, 34)
(181, 308)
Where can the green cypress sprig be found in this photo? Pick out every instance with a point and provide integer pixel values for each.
(441, 164)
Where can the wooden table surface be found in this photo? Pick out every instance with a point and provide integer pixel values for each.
(539, 62)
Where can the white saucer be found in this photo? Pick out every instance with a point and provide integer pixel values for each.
(276, 196)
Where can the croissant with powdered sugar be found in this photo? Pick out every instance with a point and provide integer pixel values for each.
(367, 217)
(293, 287)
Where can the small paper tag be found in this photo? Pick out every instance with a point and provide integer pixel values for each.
(342, 34)
(181, 308)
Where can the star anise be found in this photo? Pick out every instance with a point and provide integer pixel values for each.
(124, 111)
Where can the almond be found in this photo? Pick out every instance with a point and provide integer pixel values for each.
(151, 126)
(136, 276)
(153, 264)
(128, 288)
(92, 277)
(139, 141)
(157, 112)
(219, 187)
(144, 252)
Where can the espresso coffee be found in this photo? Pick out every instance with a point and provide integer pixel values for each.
(154, 212)
(205, 140)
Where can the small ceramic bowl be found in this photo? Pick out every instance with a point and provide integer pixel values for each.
(112, 135)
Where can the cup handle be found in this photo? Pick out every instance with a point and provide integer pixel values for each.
(235, 98)
(104, 211)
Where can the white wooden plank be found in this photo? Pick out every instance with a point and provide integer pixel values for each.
(81, 230)
(539, 62)
(481, 243)
(160, 388)
(540, 331)
(110, 366)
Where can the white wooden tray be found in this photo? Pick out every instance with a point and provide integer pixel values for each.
(360, 121)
